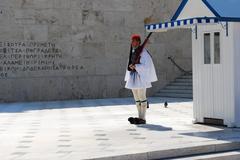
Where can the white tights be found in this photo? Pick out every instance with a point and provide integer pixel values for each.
(141, 102)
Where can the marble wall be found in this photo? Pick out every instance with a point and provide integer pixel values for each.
(75, 49)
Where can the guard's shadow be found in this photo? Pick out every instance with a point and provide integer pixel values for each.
(221, 133)
(154, 127)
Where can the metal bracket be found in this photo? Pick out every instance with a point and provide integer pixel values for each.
(195, 30)
(226, 27)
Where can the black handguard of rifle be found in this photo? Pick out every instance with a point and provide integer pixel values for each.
(129, 59)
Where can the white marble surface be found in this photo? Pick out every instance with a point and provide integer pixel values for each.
(89, 129)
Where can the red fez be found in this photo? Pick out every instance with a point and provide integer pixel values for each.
(136, 36)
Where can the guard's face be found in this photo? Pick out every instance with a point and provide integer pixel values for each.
(135, 43)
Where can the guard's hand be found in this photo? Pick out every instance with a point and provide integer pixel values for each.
(132, 66)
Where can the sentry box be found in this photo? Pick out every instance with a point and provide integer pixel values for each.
(215, 28)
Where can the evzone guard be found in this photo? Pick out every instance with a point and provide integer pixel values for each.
(139, 76)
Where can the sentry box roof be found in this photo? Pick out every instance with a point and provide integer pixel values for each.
(195, 12)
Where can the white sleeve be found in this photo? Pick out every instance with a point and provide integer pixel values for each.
(146, 68)
(143, 67)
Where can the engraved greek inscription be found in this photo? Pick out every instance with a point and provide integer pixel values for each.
(20, 57)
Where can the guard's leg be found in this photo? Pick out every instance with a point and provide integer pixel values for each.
(143, 109)
(133, 120)
(143, 99)
(137, 100)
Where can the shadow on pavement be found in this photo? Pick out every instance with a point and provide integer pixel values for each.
(154, 127)
(222, 133)
(28, 106)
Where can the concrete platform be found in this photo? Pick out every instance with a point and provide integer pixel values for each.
(230, 155)
(98, 129)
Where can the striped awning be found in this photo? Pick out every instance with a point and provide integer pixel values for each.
(185, 23)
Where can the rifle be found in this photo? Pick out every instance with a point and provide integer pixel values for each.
(138, 52)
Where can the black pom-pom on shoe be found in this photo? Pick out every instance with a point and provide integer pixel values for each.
(131, 120)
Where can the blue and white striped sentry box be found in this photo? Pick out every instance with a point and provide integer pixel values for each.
(197, 12)
(215, 48)
(185, 23)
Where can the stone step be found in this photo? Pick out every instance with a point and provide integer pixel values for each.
(174, 95)
(199, 149)
(231, 155)
(181, 84)
(189, 76)
(181, 88)
(186, 152)
(183, 80)
(176, 91)
(178, 87)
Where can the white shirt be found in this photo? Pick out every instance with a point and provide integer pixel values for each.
(144, 75)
